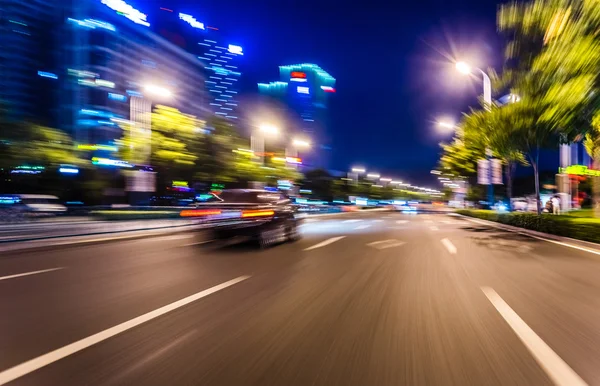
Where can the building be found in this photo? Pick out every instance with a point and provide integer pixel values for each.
(218, 53)
(305, 89)
(116, 68)
(28, 63)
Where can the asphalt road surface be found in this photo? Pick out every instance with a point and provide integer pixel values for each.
(363, 299)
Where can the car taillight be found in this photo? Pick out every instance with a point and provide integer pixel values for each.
(257, 213)
(199, 212)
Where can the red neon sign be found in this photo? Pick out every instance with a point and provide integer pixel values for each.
(298, 74)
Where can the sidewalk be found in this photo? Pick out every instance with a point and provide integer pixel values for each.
(582, 245)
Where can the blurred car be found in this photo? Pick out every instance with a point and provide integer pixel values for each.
(264, 217)
(405, 206)
(30, 205)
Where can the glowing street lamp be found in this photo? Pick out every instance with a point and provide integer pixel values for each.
(157, 91)
(358, 170)
(464, 68)
(257, 141)
(300, 143)
(446, 125)
(268, 129)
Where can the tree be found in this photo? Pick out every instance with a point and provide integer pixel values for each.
(592, 147)
(172, 145)
(220, 163)
(40, 145)
(553, 64)
(489, 129)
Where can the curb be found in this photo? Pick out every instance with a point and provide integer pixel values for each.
(582, 245)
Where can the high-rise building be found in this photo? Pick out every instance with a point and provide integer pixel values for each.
(28, 63)
(217, 52)
(116, 68)
(305, 89)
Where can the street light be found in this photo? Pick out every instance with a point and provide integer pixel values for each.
(464, 68)
(157, 91)
(268, 129)
(257, 142)
(446, 125)
(373, 175)
(300, 143)
(358, 170)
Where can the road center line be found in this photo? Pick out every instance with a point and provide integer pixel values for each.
(58, 354)
(30, 273)
(324, 243)
(354, 220)
(553, 365)
(363, 226)
(449, 246)
(401, 221)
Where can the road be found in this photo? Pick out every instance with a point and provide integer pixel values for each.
(362, 299)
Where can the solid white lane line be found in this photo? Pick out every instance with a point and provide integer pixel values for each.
(449, 246)
(383, 244)
(354, 220)
(363, 226)
(553, 365)
(29, 273)
(401, 221)
(53, 356)
(324, 243)
(434, 228)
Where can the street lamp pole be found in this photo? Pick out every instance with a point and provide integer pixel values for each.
(487, 104)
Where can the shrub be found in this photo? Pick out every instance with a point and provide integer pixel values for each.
(582, 229)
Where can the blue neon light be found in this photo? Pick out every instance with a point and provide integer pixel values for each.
(191, 20)
(69, 170)
(45, 74)
(117, 97)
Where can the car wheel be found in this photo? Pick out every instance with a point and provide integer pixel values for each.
(268, 237)
(292, 233)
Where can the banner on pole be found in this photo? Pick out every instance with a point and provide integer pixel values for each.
(496, 171)
(483, 172)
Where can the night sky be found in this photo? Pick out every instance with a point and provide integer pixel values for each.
(391, 62)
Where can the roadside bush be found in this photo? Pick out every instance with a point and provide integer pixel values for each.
(582, 229)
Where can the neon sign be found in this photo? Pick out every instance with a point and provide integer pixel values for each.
(111, 162)
(235, 49)
(97, 147)
(127, 10)
(191, 20)
(579, 170)
(327, 89)
(298, 74)
(303, 90)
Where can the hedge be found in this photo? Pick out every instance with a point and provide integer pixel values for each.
(577, 228)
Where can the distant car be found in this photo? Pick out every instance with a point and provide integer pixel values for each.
(262, 216)
(28, 205)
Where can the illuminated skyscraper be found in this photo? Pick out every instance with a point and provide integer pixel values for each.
(305, 88)
(28, 63)
(215, 50)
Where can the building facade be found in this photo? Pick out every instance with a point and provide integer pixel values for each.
(306, 90)
(218, 52)
(28, 63)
